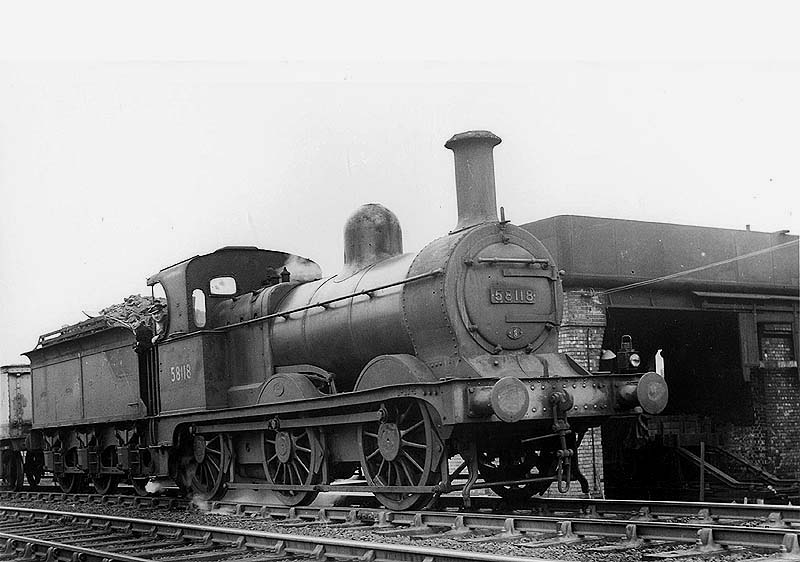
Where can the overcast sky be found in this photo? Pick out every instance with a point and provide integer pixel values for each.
(111, 169)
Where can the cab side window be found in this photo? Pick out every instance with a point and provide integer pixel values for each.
(199, 307)
(224, 286)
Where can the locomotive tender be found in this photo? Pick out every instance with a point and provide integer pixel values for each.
(288, 381)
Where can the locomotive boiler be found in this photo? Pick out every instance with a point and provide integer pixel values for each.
(263, 375)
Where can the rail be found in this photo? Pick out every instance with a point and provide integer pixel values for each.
(774, 514)
(100, 538)
(621, 531)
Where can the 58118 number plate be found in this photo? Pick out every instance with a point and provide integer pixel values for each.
(512, 295)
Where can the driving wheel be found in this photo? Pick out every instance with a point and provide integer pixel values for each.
(211, 456)
(292, 457)
(402, 450)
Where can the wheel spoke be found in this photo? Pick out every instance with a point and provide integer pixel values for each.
(297, 472)
(413, 444)
(212, 463)
(401, 418)
(404, 432)
(398, 478)
(402, 462)
(414, 462)
(373, 435)
(373, 453)
(301, 463)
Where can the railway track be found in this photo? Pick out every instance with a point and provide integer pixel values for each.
(54, 535)
(785, 516)
(597, 526)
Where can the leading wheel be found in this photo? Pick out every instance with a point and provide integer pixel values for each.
(402, 450)
(513, 464)
(211, 456)
(292, 457)
(13, 472)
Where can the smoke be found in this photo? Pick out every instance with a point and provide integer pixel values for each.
(154, 487)
(200, 505)
(302, 269)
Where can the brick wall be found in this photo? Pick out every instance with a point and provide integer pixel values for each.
(581, 336)
(777, 348)
(773, 440)
(582, 328)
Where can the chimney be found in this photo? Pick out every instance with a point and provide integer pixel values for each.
(475, 191)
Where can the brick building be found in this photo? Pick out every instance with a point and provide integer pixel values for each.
(723, 311)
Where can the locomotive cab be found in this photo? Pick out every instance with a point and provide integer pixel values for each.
(194, 286)
(191, 365)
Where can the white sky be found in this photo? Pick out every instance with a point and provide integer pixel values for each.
(129, 141)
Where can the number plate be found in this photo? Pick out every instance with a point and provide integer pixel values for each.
(512, 295)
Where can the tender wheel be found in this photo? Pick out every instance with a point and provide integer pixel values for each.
(292, 457)
(34, 467)
(71, 482)
(517, 465)
(140, 486)
(211, 458)
(13, 472)
(106, 483)
(402, 450)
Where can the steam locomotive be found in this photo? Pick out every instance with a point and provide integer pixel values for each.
(260, 374)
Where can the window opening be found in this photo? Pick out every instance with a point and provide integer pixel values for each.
(159, 312)
(223, 286)
(199, 305)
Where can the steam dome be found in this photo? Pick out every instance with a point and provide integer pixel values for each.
(371, 234)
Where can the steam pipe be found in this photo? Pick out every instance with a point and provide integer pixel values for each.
(475, 188)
